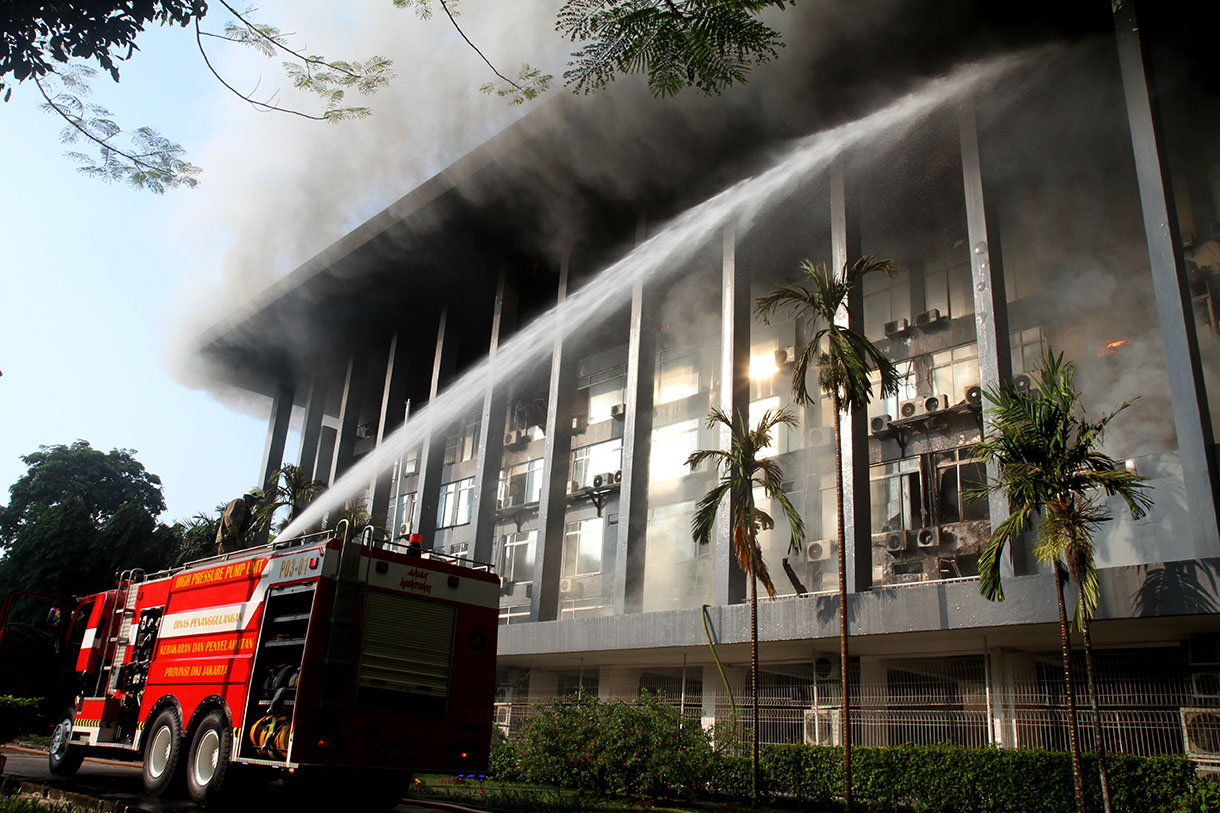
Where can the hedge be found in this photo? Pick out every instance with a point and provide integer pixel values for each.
(18, 715)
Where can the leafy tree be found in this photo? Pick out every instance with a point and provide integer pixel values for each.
(198, 536)
(1051, 468)
(844, 358)
(78, 516)
(291, 494)
(707, 44)
(742, 470)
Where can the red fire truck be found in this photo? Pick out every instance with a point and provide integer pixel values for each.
(332, 659)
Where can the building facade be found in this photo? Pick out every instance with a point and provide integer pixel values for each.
(517, 358)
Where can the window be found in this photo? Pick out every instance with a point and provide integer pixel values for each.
(606, 389)
(671, 445)
(896, 499)
(515, 562)
(582, 547)
(464, 445)
(589, 461)
(886, 299)
(948, 285)
(521, 484)
(906, 391)
(668, 534)
(1026, 349)
(954, 371)
(454, 506)
(957, 474)
(402, 513)
(677, 374)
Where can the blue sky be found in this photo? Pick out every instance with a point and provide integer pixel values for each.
(99, 282)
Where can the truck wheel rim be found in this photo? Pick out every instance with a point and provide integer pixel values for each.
(205, 757)
(158, 751)
(59, 739)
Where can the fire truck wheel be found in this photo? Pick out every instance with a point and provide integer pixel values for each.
(207, 764)
(163, 753)
(65, 758)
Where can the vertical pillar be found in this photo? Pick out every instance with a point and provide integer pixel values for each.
(390, 418)
(990, 300)
(491, 432)
(311, 428)
(637, 447)
(845, 249)
(349, 417)
(273, 450)
(552, 509)
(327, 440)
(1170, 286)
(432, 456)
(734, 399)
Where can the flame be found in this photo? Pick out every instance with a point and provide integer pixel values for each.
(1112, 348)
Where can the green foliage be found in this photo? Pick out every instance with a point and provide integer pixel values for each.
(18, 715)
(197, 536)
(1203, 798)
(291, 494)
(27, 804)
(1051, 464)
(708, 44)
(77, 517)
(642, 749)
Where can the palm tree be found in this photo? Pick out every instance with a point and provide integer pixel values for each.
(742, 469)
(1050, 465)
(293, 490)
(844, 358)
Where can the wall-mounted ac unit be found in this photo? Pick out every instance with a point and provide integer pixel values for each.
(1205, 684)
(974, 395)
(404, 529)
(504, 694)
(927, 318)
(618, 412)
(605, 479)
(1201, 733)
(927, 537)
(819, 436)
(819, 550)
(565, 585)
(896, 541)
(514, 439)
(912, 408)
(823, 727)
(880, 423)
(1023, 383)
(785, 356)
(935, 403)
(896, 326)
(618, 475)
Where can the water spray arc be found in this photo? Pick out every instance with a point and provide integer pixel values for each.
(653, 261)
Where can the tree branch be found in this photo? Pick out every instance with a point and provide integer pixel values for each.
(307, 60)
(103, 143)
(458, 28)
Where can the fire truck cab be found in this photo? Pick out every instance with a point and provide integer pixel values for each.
(320, 656)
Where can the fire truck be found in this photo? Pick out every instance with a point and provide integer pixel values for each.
(329, 658)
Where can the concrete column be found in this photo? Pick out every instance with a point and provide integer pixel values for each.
(349, 416)
(273, 450)
(552, 509)
(390, 418)
(845, 249)
(637, 445)
(311, 428)
(491, 431)
(327, 440)
(432, 455)
(990, 300)
(734, 399)
(873, 694)
(1171, 287)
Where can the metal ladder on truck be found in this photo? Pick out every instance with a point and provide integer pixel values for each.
(118, 629)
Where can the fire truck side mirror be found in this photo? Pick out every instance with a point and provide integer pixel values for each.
(54, 616)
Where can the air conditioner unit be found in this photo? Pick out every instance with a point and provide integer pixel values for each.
(912, 408)
(604, 480)
(618, 411)
(1023, 383)
(1205, 684)
(880, 423)
(785, 356)
(504, 694)
(929, 317)
(512, 439)
(823, 727)
(1201, 733)
(819, 550)
(896, 326)
(565, 585)
(928, 537)
(404, 529)
(819, 436)
(896, 541)
(974, 395)
(935, 403)
(618, 475)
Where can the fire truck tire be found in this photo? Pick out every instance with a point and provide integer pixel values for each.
(64, 758)
(207, 762)
(163, 753)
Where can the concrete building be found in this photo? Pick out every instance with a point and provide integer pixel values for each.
(1061, 188)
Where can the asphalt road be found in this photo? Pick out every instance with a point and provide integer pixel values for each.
(114, 781)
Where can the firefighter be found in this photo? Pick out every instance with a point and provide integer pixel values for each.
(236, 521)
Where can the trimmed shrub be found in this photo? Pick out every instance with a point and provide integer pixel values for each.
(18, 715)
